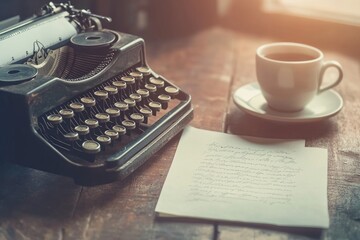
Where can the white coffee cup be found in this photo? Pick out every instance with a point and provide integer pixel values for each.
(290, 75)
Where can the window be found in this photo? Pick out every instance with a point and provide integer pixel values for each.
(341, 11)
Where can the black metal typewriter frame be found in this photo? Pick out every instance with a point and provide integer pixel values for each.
(50, 159)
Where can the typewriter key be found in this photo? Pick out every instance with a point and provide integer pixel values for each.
(101, 94)
(129, 124)
(112, 134)
(66, 113)
(164, 99)
(151, 87)
(120, 129)
(102, 117)
(136, 97)
(77, 107)
(91, 146)
(146, 112)
(128, 80)
(88, 101)
(137, 117)
(112, 90)
(113, 112)
(172, 91)
(123, 106)
(103, 139)
(55, 119)
(144, 93)
(130, 102)
(157, 82)
(119, 84)
(144, 70)
(155, 106)
(92, 123)
(71, 136)
(82, 130)
(137, 75)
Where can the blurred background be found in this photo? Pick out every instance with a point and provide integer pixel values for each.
(327, 23)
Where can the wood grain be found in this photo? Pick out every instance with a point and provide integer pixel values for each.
(210, 65)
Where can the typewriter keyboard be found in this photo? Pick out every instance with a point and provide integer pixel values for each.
(110, 115)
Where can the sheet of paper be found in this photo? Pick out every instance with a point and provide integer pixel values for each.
(226, 177)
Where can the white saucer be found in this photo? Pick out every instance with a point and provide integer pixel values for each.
(249, 99)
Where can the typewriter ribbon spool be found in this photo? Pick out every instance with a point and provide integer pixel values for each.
(83, 98)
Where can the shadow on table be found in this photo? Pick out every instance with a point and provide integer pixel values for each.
(240, 123)
(24, 190)
(29, 192)
(314, 233)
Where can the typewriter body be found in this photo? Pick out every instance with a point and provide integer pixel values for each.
(79, 100)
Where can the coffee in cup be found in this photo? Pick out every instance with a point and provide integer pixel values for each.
(290, 75)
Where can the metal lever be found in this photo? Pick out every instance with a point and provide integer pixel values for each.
(89, 14)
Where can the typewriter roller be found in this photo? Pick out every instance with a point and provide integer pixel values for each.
(82, 101)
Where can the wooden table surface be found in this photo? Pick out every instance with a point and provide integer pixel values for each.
(210, 65)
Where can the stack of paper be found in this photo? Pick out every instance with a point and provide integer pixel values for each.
(225, 177)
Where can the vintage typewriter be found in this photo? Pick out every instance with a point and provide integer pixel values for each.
(81, 101)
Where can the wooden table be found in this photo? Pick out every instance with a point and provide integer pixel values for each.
(210, 65)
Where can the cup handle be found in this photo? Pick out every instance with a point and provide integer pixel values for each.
(324, 67)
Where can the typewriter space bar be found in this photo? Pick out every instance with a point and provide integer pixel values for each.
(149, 150)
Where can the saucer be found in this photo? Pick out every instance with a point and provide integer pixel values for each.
(249, 99)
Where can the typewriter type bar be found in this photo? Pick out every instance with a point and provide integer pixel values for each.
(90, 108)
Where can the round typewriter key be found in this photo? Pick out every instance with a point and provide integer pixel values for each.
(172, 91)
(156, 106)
(88, 101)
(67, 113)
(146, 112)
(143, 92)
(129, 124)
(157, 82)
(92, 123)
(130, 102)
(120, 129)
(137, 117)
(150, 87)
(55, 119)
(164, 98)
(144, 70)
(71, 136)
(113, 112)
(112, 134)
(119, 84)
(77, 107)
(112, 90)
(103, 139)
(101, 94)
(136, 97)
(136, 75)
(82, 129)
(123, 106)
(128, 79)
(102, 117)
(90, 146)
